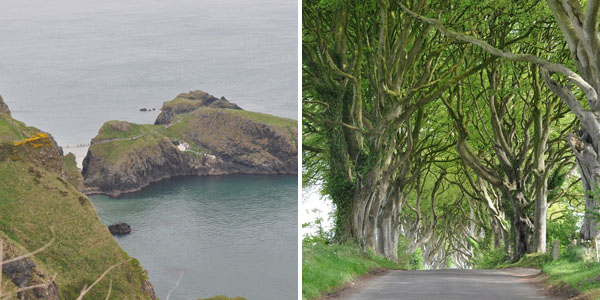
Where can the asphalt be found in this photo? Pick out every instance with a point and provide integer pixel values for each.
(448, 285)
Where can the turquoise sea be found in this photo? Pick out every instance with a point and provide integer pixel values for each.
(233, 235)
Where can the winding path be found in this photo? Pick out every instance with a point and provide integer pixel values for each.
(448, 284)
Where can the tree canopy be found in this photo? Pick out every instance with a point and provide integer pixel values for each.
(456, 125)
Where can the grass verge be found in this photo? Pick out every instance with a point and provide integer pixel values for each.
(580, 275)
(570, 271)
(327, 267)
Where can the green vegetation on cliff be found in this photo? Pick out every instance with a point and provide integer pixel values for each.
(120, 129)
(39, 201)
(115, 143)
(13, 130)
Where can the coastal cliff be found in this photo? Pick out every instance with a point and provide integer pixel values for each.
(195, 134)
(40, 201)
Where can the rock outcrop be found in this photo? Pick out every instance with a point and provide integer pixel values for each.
(120, 126)
(3, 107)
(221, 141)
(119, 228)
(147, 288)
(41, 149)
(23, 273)
(186, 102)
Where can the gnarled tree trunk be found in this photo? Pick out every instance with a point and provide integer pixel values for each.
(588, 161)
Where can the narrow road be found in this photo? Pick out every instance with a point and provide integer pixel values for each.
(447, 285)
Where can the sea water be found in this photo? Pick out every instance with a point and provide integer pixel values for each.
(232, 235)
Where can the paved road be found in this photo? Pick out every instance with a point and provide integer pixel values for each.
(449, 284)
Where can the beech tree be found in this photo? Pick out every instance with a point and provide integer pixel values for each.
(366, 80)
(578, 89)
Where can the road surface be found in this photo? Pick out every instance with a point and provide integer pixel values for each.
(447, 285)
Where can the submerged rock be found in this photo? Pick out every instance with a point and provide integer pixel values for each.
(119, 228)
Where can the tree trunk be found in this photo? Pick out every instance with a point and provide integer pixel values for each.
(521, 238)
(375, 218)
(541, 207)
(588, 161)
(522, 227)
(388, 232)
(498, 233)
(539, 231)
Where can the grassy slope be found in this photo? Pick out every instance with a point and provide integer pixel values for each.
(264, 118)
(33, 200)
(328, 267)
(118, 150)
(13, 130)
(181, 102)
(83, 249)
(179, 130)
(106, 132)
(73, 176)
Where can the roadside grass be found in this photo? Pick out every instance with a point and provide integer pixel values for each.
(326, 267)
(580, 275)
(569, 270)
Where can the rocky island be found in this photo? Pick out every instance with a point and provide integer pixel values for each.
(195, 134)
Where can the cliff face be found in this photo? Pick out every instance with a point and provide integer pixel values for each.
(40, 200)
(3, 107)
(24, 273)
(195, 134)
(141, 166)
